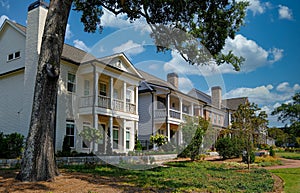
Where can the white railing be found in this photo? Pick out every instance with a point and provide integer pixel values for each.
(104, 102)
(118, 105)
(174, 114)
(160, 113)
(130, 108)
(86, 101)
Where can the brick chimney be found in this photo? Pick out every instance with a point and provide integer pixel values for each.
(216, 96)
(173, 79)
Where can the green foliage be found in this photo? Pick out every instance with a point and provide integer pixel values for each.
(11, 145)
(272, 152)
(158, 139)
(265, 161)
(290, 113)
(246, 159)
(138, 146)
(289, 155)
(66, 149)
(208, 22)
(187, 177)
(228, 147)
(90, 134)
(199, 128)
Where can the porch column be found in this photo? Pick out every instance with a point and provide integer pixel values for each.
(136, 101)
(180, 107)
(124, 96)
(124, 134)
(96, 104)
(111, 88)
(168, 131)
(111, 125)
(168, 115)
(192, 110)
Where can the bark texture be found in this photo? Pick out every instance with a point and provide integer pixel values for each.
(38, 163)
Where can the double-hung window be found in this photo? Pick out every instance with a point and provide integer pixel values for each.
(115, 137)
(70, 133)
(71, 87)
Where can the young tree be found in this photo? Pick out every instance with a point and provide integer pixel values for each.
(247, 124)
(193, 133)
(209, 22)
(90, 134)
(290, 113)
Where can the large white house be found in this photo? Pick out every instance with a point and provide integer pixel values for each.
(100, 93)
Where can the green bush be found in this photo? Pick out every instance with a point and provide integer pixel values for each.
(272, 152)
(229, 147)
(11, 145)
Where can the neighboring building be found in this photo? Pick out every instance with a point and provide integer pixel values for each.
(163, 107)
(100, 93)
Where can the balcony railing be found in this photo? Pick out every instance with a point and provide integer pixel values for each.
(174, 114)
(160, 113)
(130, 108)
(104, 101)
(118, 105)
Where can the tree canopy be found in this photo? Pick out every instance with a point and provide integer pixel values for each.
(181, 24)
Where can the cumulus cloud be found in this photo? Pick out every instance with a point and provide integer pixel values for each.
(2, 19)
(257, 7)
(129, 48)
(255, 56)
(185, 84)
(81, 45)
(68, 32)
(285, 12)
(4, 4)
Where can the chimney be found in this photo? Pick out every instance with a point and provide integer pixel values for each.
(216, 96)
(36, 17)
(173, 79)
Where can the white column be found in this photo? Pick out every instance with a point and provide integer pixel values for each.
(180, 107)
(136, 101)
(111, 89)
(192, 110)
(124, 134)
(168, 124)
(96, 90)
(111, 125)
(124, 96)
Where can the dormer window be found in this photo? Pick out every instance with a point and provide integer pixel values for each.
(13, 56)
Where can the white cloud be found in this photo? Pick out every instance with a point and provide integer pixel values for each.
(285, 12)
(255, 56)
(129, 48)
(269, 87)
(185, 84)
(283, 87)
(68, 32)
(296, 87)
(4, 4)
(256, 6)
(81, 45)
(2, 19)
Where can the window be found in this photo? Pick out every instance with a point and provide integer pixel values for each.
(127, 138)
(86, 87)
(70, 133)
(128, 96)
(102, 89)
(116, 94)
(219, 120)
(71, 82)
(185, 108)
(115, 137)
(13, 56)
(215, 118)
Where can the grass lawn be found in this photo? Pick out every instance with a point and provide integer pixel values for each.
(289, 155)
(186, 177)
(291, 177)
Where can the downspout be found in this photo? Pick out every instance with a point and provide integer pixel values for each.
(153, 109)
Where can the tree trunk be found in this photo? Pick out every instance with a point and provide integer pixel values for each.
(38, 163)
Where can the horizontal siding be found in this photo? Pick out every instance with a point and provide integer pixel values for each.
(145, 113)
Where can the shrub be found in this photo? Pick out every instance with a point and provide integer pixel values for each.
(11, 145)
(272, 152)
(229, 147)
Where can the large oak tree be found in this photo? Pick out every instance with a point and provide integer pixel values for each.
(209, 22)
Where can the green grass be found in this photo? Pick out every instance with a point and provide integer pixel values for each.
(291, 177)
(289, 155)
(187, 177)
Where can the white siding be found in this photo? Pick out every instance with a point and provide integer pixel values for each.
(11, 41)
(11, 102)
(145, 115)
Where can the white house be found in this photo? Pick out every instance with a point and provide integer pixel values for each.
(100, 93)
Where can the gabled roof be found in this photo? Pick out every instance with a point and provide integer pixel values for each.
(234, 103)
(70, 53)
(200, 95)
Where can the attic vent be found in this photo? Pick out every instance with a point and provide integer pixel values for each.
(118, 64)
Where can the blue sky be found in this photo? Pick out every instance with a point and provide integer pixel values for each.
(269, 42)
